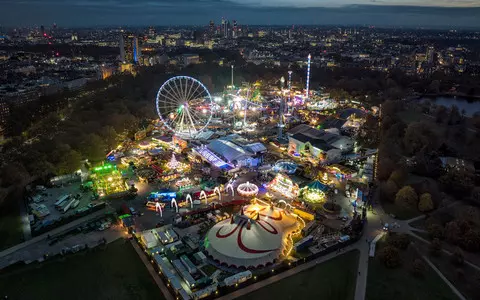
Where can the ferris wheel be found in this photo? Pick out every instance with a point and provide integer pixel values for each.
(184, 105)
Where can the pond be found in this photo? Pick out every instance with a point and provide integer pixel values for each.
(470, 107)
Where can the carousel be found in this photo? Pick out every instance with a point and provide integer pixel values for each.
(247, 189)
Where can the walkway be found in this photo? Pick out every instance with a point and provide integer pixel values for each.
(444, 251)
(361, 285)
(452, 287)
(53, 232)
(280, 276)
(166, 293)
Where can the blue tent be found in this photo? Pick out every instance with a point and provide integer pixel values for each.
(317, 185)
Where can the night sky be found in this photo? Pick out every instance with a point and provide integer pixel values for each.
(411, 13)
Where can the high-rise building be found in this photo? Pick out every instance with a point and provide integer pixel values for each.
(129, 49)
(222, 29)
(198, 36)
(225, 27)
(212, 27)
(42, 30)
(151, 32)
(430, 54)
(234, 29)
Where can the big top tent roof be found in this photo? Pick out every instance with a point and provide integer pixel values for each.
(254, 239)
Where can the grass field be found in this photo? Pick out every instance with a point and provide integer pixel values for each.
(114, 273)
(400, 284)
(465, 278)
(400, 213)
(10, 231)
(334, 279)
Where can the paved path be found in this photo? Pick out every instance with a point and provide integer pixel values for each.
(454, 289)
(166, 293)
(361, 285)
(53, 232)
(445, 251)
(280, 276)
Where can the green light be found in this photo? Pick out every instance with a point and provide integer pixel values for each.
(180, 108)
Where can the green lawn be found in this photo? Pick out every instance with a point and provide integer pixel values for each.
(465, 278)
(10, 231)
(400, 213)
(114, 273)
(400, 284)
(333, 280)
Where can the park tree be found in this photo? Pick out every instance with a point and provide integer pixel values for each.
(69, 162)
(425, 203)
(457, 181)
(441, 114)
(436, 247)
(460, 273)
(434, 87)
(475, 195)
(399, 176)
(418, 268)
(398, 240)
(390, 256)
(435, 231)
(452, 232)
(476, 121)
(388, 190)
(454, 116)
(469, 214)
(406, 197)
(13, 173)
(109, 136)
(385, 168)
(471, 241)
(419, 135)
(93, 147)
(458, 258)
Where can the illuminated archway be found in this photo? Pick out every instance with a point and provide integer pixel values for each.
(158, 208)
(230, 186)
(217, 190)
(174, 202)
(204, 195)
(189, 198)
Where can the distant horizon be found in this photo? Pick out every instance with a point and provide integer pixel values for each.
(193, 13)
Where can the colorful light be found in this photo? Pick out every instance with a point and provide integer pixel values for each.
(247, 189)
(308, 76)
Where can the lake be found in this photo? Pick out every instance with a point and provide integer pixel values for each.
(462, 103)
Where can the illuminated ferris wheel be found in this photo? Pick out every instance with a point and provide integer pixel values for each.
(184, 105)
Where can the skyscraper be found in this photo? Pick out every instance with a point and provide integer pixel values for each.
(430, 54)
(234, 29)
(151, 32)
(222, 29)
(129, 50)
(212, 27)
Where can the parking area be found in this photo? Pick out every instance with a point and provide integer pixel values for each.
(43, 203)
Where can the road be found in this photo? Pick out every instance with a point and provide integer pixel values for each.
(37, 246)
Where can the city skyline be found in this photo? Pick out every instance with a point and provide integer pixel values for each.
(447, 14)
